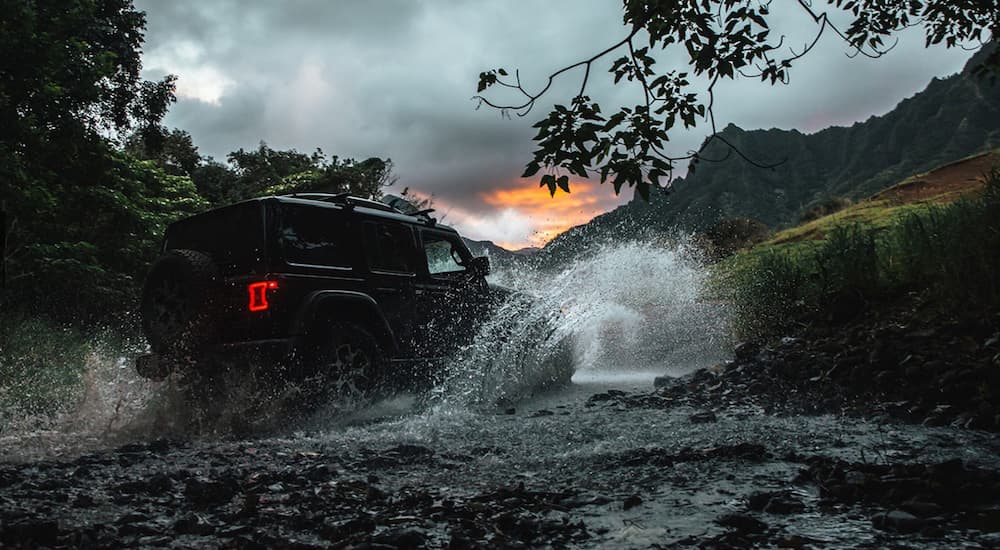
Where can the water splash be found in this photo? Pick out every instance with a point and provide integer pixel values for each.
(626, 311)
(111, 404)
(636, 308)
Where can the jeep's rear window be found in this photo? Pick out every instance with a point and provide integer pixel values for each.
(313, 235)
(233, 236)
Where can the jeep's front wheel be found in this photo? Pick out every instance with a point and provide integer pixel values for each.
(344, 362)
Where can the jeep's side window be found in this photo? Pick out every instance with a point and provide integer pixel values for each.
(315, 236)
(442, 256)
(390, 247)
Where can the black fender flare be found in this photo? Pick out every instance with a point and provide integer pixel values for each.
(346, 306)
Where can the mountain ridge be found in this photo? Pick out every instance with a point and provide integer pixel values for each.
(951, 118)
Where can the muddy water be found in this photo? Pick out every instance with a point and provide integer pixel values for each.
(628, 477)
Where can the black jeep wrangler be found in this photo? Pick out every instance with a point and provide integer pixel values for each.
(350, 292)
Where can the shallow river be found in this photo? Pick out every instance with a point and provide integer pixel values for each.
(573, 466)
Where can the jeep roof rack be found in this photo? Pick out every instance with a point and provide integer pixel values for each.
(346, 199)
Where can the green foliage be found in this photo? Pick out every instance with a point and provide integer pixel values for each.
(41, 366)
(83, 256)
(79, 215)
(766, 290)
(76, 73)
(172, 150)
(732, 234)
(949, 252)
(267, 171)
(721, 40)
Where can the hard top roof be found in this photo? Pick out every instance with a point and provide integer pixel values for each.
(360, 205)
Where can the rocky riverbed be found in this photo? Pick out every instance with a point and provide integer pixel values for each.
(602, 463)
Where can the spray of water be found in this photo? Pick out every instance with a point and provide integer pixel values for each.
(110, 403)
(628, 309)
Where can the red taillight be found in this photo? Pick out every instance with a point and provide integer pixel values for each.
(258, 294)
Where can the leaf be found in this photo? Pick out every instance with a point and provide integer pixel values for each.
(563, 183)
(550, 181)
(530, 170)
(642, 189)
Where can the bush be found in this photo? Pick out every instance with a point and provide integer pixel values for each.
(767, 291)
(733, 234)
(949, 252)
(41, 365)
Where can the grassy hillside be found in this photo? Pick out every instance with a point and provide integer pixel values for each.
(957, 180)
(936, 235)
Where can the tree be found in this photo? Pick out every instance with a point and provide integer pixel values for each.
(174, 151)
(270, 171)
(86, 256)
(69, 84)
(722, 40)
(75, 77)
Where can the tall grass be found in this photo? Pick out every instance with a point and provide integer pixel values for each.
(41, 365)
(950, 252)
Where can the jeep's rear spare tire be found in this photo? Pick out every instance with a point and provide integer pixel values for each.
(177, 302)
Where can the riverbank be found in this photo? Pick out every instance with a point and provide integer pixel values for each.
(587, 466)
(899, 360)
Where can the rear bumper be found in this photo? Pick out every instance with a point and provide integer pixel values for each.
(157, 366)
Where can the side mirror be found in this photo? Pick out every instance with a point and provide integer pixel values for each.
(480, 265)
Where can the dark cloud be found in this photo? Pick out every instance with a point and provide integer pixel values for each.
(394, 78)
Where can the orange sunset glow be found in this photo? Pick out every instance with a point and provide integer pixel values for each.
(526, 215)
(552, 214)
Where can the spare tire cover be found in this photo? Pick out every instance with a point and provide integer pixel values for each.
(177, 302)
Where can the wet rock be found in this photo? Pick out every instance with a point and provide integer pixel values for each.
(632, 502)
(403, 539)
(338, 530)
(663, 381)
(155, 485)
(320, 472)
(922, 509)
(510, 411)
(742, 523)
(897, 520)
(83, 501)
(192, 524)
(940, 416)
(205, 492)
(745, 351)
(460, 541)
(702, 417)
(140, 528)
(775, 502)
(132, 517)
(29, 533)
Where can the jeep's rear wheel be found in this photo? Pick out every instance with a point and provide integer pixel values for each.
(176, 301)
(345, 361)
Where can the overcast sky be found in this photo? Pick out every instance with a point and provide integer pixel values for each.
(394, 78)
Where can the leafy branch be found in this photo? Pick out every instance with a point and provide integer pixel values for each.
(723, 40)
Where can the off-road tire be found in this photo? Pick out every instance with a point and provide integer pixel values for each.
(177, 302)
(342, 361)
